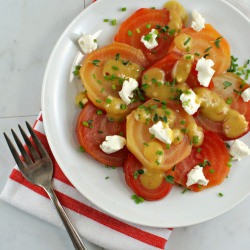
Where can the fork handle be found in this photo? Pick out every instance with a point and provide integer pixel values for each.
(75, 238)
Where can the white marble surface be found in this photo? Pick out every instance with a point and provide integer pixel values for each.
(29, 30)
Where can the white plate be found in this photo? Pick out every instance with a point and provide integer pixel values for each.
(59, 113)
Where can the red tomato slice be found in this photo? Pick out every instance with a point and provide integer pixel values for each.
(139, 137)
(139, 24)
(131, 166)
(96, 127)
(204, 43)
(229, 86)
(215, 152)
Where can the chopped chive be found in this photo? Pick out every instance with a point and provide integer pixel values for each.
(130, 33)
(115, 67)
(123, 106)
(113, 22)
(220, 194)
(137, 173)
(105, 20)
(187, 41)
(96, 62)
(117, 56)
(137, 199)
(108, 101)
(123, 9)
(195, 139)
(99, 112)
(229, 100)
(81, 148)
(198, 150)
(217, 42)
(169, 179)
(207, 49)
(227, 84)
(85, 124)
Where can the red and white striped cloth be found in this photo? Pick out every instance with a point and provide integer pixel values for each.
(92, 223)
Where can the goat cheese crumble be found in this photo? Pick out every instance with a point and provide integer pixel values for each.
(128, 86)
(112, 144)
(239, 150)
(196, 176)
(198, 22)
(150, 40)
(87, 42)
(246, 95)
(162, 132)
(205, 71)
(190, 101)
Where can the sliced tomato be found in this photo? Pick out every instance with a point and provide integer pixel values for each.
(140, 24)
(91, 129)
(103, 71)
(133, 179)
(208, 42)
(155, 77)
(213, 126)
(145, 147)
(215, 157)
(229, 86)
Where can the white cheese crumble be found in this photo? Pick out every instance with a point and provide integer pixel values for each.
(128, 86)
(112, 143)
(196, 176)
(162, 132)
(205, 71)
(149, 40)
(190, 101)
(87, 42)
(239, 150)
(246, 95)
(198, 22)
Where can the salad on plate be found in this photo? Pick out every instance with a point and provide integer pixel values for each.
(166, 101)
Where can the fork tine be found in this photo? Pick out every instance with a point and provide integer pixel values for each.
(21, 148)
(14, 153)
(32, 149)
(38, 143)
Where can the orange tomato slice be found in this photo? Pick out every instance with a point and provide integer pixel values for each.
(140, 24)
(139, 137)
(102, 78)
(208, 42)
(214, 152)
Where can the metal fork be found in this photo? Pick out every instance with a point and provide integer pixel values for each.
(38, 169)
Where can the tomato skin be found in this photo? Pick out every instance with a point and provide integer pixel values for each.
(138, 132)
(203, 40)
(130, 166)
(227, 93)
(137, 24)
(92, 136)
(98, 87)
(232, 92)
(214, 150)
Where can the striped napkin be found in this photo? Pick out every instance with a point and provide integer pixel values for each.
(91, 223)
